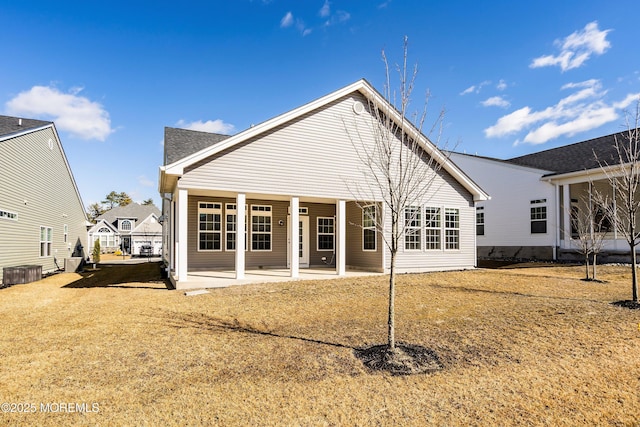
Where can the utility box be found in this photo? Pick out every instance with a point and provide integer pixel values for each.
(21, 274)
(72, 265)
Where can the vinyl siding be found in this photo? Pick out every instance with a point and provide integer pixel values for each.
(508, 214)
(38, 187)
(357, 258)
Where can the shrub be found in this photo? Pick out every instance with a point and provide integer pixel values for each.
(96, 251)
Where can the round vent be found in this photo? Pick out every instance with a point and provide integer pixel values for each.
(358, 108)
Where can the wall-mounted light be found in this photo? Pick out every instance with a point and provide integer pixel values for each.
(281, 223)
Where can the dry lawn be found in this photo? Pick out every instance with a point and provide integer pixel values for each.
(531, 346)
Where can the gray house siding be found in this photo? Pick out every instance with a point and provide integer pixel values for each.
(39, 188)
(310, 156)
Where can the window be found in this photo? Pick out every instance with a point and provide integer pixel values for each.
(432, 228)
(326, 232)
(46, 237)
(538, 217)
(260, 228)
(209, 226)
(452, 228)
(369, 228)
(480, 221)
(125, 225)
(413, 228)
(65, 233)
(8, 215)
(231, 221)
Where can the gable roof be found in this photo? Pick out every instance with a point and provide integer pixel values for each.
(13, 126)
(170, 172)
(180, 143)
(132, 210)
(102, 223)
(147, 226)
(574, 157)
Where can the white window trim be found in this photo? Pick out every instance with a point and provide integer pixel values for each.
(217, 208)
(268, 213)
(48, 242)
(122, 222)
(233, 211)
(375, 231)
(480, 212)
(440, 229)
(539, 203)
(325, 234)
(407, 228)
(445, 229)
(11, 216)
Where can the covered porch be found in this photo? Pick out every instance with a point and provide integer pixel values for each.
(283, 238)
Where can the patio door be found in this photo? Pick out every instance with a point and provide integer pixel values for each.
(303, 243)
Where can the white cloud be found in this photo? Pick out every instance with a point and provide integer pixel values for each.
(71, 112)
(576, 48)
(496, 101)
(212, 126)
(580, 111)
(287, 20)
(502, 85)
(325, 10)
(475, 88)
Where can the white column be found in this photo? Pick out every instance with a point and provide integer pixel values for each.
(181, 246)
(341, 238)
(240, 234)
(566, 197)
(294, 233)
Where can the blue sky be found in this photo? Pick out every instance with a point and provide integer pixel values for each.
(514, 77)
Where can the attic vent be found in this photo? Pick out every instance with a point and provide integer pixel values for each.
(50, 142)
(19, 122)
(358, 108)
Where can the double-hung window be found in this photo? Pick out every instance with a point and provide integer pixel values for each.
(369, 228)
(209, 226)
(538, 216)
(452, 228)
(46, 240)
(413, 228)
(231, 216)
(480, 221)
(433, 224)
(260, 228)
(326, 233)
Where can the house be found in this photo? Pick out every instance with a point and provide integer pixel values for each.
(42, 217)
(128, 228)
(533, 196)
(290, 181)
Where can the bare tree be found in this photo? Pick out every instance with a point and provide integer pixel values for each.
(623, 175)
(590, 224)
(399, 167)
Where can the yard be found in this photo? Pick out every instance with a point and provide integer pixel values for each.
(526, 346)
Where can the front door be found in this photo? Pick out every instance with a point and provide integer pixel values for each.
(303, 244)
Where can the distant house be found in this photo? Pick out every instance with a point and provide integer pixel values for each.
(42, 217)
(290, 181)
(128, 228)
(533, 197)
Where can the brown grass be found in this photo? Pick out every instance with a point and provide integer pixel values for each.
(533, 346)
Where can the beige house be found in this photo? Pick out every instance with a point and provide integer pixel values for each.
(290, 181)
(42, 217)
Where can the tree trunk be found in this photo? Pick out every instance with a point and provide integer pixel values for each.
(586, 265)
(593, 276)
(392, 303)
(634, 278)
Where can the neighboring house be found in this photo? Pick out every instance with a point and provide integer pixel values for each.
(42, 217)
(127, 228)
(290, 181)
(533, 196)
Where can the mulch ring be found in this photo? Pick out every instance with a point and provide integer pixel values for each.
(405, 359)
(632, 305)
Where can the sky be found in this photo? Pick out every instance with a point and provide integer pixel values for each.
(512, 77)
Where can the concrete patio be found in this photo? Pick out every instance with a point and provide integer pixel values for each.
(221, 279)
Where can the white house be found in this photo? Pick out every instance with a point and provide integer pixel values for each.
(533, 196)
(128, 228)
(290, 181)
